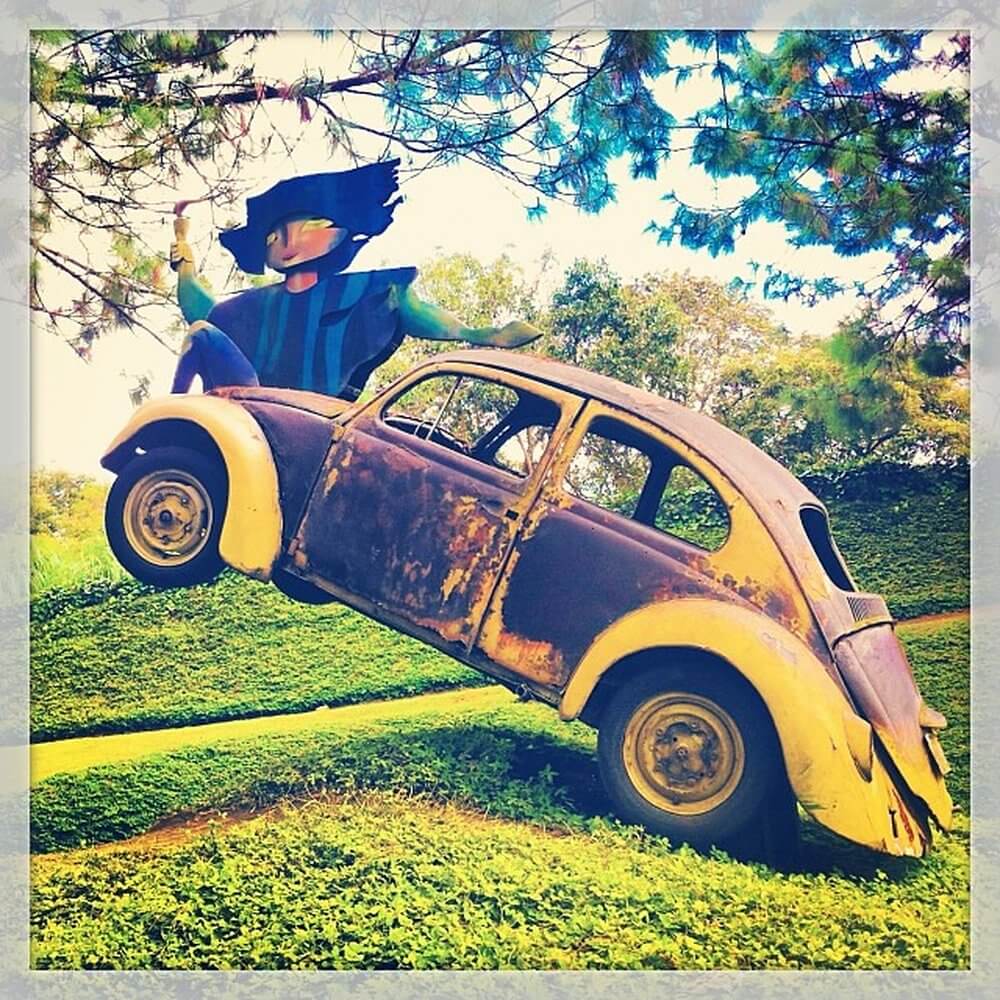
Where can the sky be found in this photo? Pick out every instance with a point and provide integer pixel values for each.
(78, 408)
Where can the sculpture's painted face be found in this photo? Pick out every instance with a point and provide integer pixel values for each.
(300, 239)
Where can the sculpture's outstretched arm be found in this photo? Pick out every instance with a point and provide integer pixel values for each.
(429, 322)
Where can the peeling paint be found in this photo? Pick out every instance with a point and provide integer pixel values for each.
(425, 545)
(452, 580)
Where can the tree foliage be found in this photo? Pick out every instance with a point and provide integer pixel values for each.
(846, 156)
(64, 504)
(837, 142)
(714, 324)
(816, 412)
(483, 294)
(618, 330)
(813, 404)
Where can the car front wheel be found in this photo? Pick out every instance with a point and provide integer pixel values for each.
(692, 755)
(164, 515)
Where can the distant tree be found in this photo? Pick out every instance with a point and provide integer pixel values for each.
(841, 146)
(622, 331)
(814, 412)
(483, 294)
(714, 324)
(54, 495)
(813, 404)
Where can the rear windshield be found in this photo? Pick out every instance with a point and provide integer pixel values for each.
(818, 530)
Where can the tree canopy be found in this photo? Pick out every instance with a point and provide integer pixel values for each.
(815, 405)
(855, 140)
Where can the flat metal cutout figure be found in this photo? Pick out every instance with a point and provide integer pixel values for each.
(319, 328)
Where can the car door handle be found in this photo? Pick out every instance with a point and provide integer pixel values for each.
(500, 507)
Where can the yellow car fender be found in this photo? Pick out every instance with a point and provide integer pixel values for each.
(827, 748)
(250, 540)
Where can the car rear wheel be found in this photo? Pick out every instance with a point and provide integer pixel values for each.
(164, 515)
(692, 755)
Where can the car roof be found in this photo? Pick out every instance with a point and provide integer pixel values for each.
(761, 479)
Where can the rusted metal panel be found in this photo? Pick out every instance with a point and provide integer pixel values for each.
(578, 568)
(768, 488)
(302, 399)
(415, 536)
(574, 575)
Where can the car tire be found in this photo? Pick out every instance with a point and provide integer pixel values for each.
(164, 514)
(691, 754)
(297, 589)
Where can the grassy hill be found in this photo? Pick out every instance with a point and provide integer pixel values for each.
(465, 839)
(450, 839)
(507, 759)
(382, 881)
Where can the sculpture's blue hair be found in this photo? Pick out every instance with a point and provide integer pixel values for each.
(356, 199)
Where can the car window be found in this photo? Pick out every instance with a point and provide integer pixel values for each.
(496, 424)
(521, 452)
(690, 509)
(608, 472)
(632, 474)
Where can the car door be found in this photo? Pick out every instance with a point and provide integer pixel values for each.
(416, 507)
(601, 541)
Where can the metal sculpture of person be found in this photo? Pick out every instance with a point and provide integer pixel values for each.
(320, 328)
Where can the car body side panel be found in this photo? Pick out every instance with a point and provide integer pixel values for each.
(544, 615)
(415, 529)
(408, 526)
(815, 725)
(543, 620)
(250, 540)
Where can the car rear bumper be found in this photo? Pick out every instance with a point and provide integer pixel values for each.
(877, 674)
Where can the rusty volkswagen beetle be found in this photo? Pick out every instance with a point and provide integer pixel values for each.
(632, 563)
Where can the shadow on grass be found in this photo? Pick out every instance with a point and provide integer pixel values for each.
(574, 779)
(571, 776)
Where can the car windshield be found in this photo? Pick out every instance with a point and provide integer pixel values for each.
(498, 424)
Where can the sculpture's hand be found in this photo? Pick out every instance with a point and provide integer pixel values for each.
(181, 254)
(515, 334)
(181, 257)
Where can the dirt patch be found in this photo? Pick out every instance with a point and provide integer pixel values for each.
(929, 621)
(180, 830)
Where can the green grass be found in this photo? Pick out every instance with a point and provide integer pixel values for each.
(904, 534)
(467, 840)
(389, 882)
(68, 563)
(114, 657)
(939, 654)
(456, 840)
(520, 762)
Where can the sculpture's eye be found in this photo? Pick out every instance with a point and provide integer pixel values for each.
(272, 238)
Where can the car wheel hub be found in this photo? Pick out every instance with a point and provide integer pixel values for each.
(683, 753)
(167, 517)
